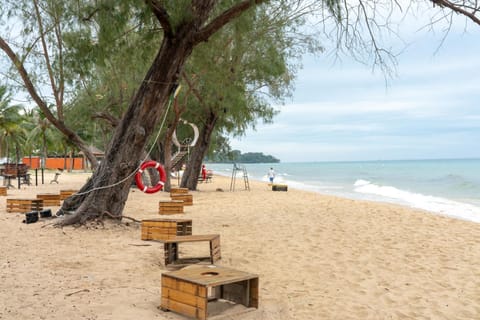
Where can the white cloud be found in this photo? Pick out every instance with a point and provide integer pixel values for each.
(346, 112)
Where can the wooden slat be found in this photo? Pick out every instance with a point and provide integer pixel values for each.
(64, 194)
(3, 191)
(184, 297)
(170, 207)
(157, 229)
(24, 205)
(183, 309)
(186, 198)
(49, 199)
(193, 238)
(225, 275)
(253, 302)
(167, 220)
(151, 223)
(184, 286)
(178, 191)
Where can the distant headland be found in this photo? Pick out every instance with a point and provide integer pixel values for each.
(248, 157)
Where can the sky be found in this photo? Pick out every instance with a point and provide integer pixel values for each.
(345, 111)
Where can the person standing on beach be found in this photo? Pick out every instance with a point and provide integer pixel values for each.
(271, 175)
(204, 173)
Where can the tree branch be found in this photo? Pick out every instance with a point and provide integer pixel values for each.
(459, 8)
(224, 18)
(25, 77)
(112, 120)
(60, 125)
(162, 16)
(46, 56)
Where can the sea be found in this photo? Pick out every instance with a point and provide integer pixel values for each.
(446, 187)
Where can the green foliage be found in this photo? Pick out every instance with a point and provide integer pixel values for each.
(12, 134)
(237, 156)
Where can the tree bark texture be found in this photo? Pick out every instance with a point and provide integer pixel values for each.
(192, 172)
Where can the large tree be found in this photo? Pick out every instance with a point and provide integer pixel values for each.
(184, 24)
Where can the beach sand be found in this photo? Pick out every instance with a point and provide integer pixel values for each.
(317, 257)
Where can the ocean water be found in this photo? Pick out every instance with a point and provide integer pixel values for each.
(447, 187)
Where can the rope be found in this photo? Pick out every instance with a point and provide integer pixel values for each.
(177, 90)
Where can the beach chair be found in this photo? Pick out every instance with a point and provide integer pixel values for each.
(55, 179)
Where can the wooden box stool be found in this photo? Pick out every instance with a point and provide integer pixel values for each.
(64, 194)
(178, 190)
(49, 199)
(24, 205)
(163, 229)
(185, 197)
(279, 187)
(188, 291)
(171, 250)
(3, 191)
(170, 207)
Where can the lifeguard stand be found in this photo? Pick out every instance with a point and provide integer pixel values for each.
(234, 177)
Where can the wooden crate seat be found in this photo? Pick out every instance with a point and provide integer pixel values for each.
(170, 207)
(190, 291)
(49, 199)
(163, 229)
(171, 250)
(178, 191)
(185, 197)
(24, 205)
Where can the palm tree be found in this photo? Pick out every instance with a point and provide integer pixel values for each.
(41, 133)
(10, 124)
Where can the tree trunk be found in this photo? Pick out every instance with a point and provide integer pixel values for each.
(107, 190)
(190, 176)
(112, 179)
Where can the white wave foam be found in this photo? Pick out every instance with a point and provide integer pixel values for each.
(430, 203)
(361, 182)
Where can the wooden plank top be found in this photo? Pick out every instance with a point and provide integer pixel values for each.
(167, 220)
(210, 275)
(191, 238)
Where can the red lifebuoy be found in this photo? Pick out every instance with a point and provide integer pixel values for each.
(161, 172)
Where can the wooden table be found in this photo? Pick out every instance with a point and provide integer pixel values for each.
(188, 291)
(7, 180)
(171, 250)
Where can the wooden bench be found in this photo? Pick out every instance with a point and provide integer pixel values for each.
(64, 194)
(171, 250)
(3, 191)
(163, 229)
(24, 205)
(170, 207)
(185, 197)
(49, 199)
(190, 291)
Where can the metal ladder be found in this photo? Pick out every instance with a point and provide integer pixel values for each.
(234, 177)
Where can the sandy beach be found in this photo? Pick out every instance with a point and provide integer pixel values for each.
(317, 257)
